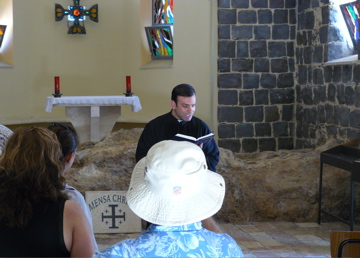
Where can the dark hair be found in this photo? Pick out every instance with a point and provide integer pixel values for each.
(67, 137)
(184, 90)
(30, 172)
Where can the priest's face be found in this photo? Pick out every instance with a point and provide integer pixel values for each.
(184, 108)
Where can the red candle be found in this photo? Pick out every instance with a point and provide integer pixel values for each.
(128, 84)
(57, 84)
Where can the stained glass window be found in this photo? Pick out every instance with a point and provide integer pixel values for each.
(160, 34)
(160, 42)
(350, 12)
(163, 12)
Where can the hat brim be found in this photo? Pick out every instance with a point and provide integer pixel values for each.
(167, 211)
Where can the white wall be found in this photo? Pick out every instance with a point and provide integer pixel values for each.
(97, 63)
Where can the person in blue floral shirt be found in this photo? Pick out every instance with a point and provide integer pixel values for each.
(173, 189)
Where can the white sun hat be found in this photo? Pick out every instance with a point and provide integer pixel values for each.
(172, 186)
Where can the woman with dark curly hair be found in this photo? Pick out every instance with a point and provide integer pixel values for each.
(36, 217)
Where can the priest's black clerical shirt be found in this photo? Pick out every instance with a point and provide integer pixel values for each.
(166, 126)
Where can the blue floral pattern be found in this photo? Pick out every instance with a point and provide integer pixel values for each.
(190, 240)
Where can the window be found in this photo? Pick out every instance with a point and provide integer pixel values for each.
(160, 34)
(350, 12)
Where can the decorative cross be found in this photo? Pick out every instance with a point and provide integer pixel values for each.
(113, 216)
(77, 13)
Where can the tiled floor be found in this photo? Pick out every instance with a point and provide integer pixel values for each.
(269, 239)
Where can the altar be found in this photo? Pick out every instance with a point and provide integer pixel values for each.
(93, 117)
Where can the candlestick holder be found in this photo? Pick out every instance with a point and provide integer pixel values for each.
(57, 94)
(129, 94)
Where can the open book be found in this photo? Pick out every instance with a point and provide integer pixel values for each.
(203, 139)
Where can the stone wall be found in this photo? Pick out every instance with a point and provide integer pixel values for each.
(256, 74)
(274, 89)
(327, 96)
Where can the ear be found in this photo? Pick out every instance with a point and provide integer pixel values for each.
(173, 104)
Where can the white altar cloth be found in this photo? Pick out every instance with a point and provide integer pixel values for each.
(93, 101)
(93, 117)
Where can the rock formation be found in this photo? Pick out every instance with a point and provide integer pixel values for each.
(268, 186)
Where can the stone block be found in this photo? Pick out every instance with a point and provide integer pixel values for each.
(309, 20)
(307, 96)
(290, 3)
(268, 80)
(323, 33)
(261, 97)
(111, 213)
(232, 80)
(244, 32)
(224, 32)
(226, 131)
(329, 113)
(349, 95)
(262, 32)
(242, 65)
(258, 48)
(262, 129)
(226, 16)
(280, 31)
(343, 115)
(357, 96)
(281, 16)
(319, 94)
(279, 65)
(246, 98)
(355, 119)
(223, 65)
(249, 145)
(302, 74)
(328, 73)
(254, 114)
(347, 73)
(331, 92)
(251, 81)
(337, 72)
(230, 114)
(285, 143)
(226, 48)
(264, 16)
(285, 80)
(242, 49)
(290, 49)
(230, 144)
(277, 4)
(287, 112)
(340, 93)
(357, 73)
(267, 144)
(244, 130)
(240, 3)
(318, 54)
(277, 49)
(318, 76)
(259, 4)
(280, 129)
(261, 65)
(272, 113)
(247, 17)
(308, 55)
(224, 3)
(227, 97)
(282, 96)
(292, 16)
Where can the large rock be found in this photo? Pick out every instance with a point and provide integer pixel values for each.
(269, 186)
